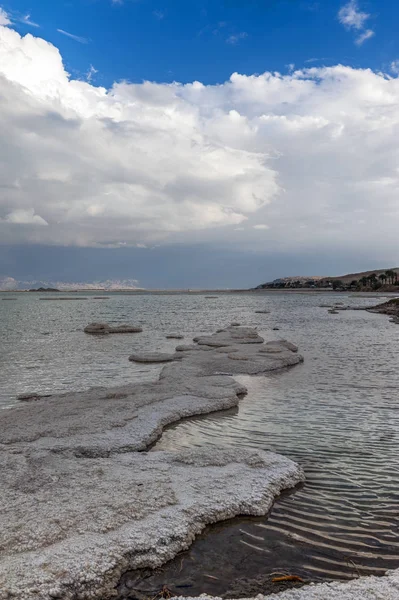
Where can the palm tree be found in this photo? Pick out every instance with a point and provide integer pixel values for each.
(337, 283)
(391, 275)
(382, 278)
(364, 281)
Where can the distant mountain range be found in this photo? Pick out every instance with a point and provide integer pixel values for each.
(9, 284)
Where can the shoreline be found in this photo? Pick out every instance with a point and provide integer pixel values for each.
(83, 499)
(200, 292)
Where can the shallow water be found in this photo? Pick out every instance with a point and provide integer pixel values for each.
(44, 350)
(337, 414)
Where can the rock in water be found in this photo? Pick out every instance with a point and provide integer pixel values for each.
(97, 328)
(154, 357)
(229, 336)
(105, 329)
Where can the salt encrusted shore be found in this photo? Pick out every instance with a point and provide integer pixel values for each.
(81, 502)
(364, 588)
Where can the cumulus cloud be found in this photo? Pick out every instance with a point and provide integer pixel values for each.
(311, 153)
(24, 217)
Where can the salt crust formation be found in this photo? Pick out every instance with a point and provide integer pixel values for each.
(364, 588)
(80, 500)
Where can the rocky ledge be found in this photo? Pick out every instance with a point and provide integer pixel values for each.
(390, 308)
(81, 504)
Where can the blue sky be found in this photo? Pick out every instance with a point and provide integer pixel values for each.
(207, 40)
(230, 134)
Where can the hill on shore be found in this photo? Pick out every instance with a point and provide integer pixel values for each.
(356, 276)
(348, 281)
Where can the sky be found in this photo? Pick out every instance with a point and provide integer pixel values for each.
(216, 143)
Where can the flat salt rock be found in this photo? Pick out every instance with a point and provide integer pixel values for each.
(97, 328)
(226, 350)
(189, 347)
(174, 336)
(105, 329)
(186, 348)
(153, 357)
(270, 350)
(232, 336)
(283, 344)
(237, 356)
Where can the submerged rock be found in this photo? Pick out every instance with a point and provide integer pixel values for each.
(32, 397)
(153, 357)
(105, 329)
(174, 336)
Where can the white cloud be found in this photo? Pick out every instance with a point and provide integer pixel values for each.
(366, 35)
(77, 38)
(24, 217)
(28, 21)
(234, 39)
(395, 67)
(261, 226)
(91, 73)
(159, 14)
(4, 18)
(155, 163)
(352, 18)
